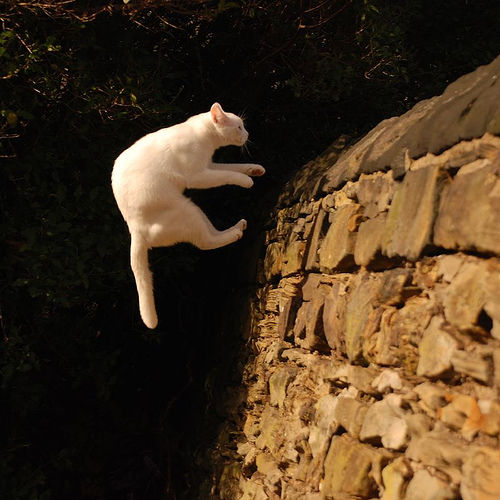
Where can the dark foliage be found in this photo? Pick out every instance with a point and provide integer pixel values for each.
(93, 405)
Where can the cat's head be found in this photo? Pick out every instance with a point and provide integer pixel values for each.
(229, 126)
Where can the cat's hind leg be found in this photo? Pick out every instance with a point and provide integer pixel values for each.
(187, 223)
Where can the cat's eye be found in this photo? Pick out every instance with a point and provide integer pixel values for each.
(239, 127)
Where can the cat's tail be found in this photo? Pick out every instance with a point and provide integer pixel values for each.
(143, 280)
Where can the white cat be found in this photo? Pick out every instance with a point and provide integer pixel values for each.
(149, 179)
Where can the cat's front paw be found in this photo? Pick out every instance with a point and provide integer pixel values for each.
(247, 182)
(256, 170)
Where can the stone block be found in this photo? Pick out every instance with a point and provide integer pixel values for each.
(477, 228)
(395, 477)
(410, 219)
(432, 397)
(436, 350)
(350, 469)
(350, 413)
(252, 490)
(369, 240)
(229, 481)
(308, 328)
(361, 316)
(374, 192)
(443, 450)
(312, 262)
(271, 431)
(278, 383)
(474, 364)
(418, 424)
(273, 260)
(464, 298)
(392, 289)
(425, 486)
(384, 423)
(355, 376)
(492, 293)
(481, 475)
(324, 425)
(337, 249)
(400, 332)
(470, 416)
(293, 257)
(387, 381)
(334, 315)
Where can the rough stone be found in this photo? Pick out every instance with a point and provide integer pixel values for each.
(425, 486)
(274, 260)
(462, 413)
(442, 450)
(334, 315)
(384, 422)
(267, 466)
(492, 293)
(436, 350)
(470, 416)
(496, 368)
(476, 229)
(312, 263)
(468, 108)
(395, 477)
(361, 318)
(356, 376)
(418, 424)
(388, 380)
(369, 240)
(271, 436)
(480, 475)
(431, 395)
(324, 425)
(490, 417)
(411, 215)
(473, 364)
(253, 491)
(449, 265)
(229, 482)
(349, 468)
(400, 332)
(308, 328)
(278, 384)
(337, 250)
(465, 298)
(374, 192)
(349, 413)
(460, 154)
(293, 257)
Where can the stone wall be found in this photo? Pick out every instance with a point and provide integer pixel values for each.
(375, 338)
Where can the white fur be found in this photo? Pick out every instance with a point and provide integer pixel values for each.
(149, 179)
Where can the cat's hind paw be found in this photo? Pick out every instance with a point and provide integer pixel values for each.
(240, 227)
(256, 170)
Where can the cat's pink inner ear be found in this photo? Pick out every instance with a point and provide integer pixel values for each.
(217, 113)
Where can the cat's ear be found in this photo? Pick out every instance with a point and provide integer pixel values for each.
(217, 114)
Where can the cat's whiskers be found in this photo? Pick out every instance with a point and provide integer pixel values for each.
(245, 148)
